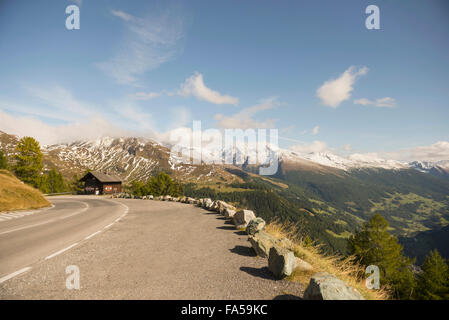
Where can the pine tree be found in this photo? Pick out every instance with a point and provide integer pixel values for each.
(433, 282)
(373, 245)
(28, 161)
(76, 185)
(3, 161)
(55, 182)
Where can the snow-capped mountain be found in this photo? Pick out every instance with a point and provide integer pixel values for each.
(355, 161)
(139, 158)
(437, 168)
(130, 158)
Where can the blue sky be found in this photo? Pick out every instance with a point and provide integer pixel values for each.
(311, 69)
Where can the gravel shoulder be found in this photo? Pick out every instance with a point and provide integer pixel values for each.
(159, 250)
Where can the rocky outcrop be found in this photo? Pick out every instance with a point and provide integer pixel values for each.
(255, 225)
(242, 218)
(324, 286)
(281, 262)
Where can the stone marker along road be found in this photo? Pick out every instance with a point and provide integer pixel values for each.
(158, 250)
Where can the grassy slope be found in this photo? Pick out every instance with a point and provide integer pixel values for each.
(343, 268)
(15, 195)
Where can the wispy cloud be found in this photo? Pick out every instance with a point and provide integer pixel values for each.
(192, 86)
(315, 146)
(244, 118)
(386, 102)
(334, 91)
(434, 152)
(150, 42)
(315, 130)
(45, 133)
(53, 102)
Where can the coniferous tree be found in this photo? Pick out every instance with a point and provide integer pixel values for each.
(373, 245)
(3, 161)
(28, 161)
(433, 281)
(76, 185)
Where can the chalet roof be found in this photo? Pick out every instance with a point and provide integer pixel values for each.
(102, 177)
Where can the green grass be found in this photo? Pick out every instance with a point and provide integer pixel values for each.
(345, 234)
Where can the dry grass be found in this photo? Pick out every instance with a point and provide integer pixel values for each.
(346, 269)
(15, 195)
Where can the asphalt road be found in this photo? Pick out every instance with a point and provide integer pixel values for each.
(158, 250)
(26, 240)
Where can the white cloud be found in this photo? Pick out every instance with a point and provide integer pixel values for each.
(434, 152)
(146, 96)
(315, 130)
(347, 147)
(195, 86)
(150, 42)
(75, 119)
(53, 102)
(335, 91)
(365, 157)
(315, 146)
(244, 118)
(50, 134)
(386, 102)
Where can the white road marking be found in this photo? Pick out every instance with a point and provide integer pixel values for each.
(7, 277)
(61, 251)
(48, 221)
(92, 235)
(11, 275)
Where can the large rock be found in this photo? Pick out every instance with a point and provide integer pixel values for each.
(324, 286)
(303, 265)
(255, 225)
(242, 218)
(229, 213)
(281, 262)
(262, 242)
(207, 203)
(222, 206)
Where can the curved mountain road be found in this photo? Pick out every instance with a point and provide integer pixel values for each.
(159, 250)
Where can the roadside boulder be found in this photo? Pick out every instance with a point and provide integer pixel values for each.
(190, 200)
(324, 286)
(229, 213)
(222, 206)
(207, 203)
(302, 265)
(255, 225)
(262, 242)
(242, 218)
(281, 262)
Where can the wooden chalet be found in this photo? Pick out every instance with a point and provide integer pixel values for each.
(100, 183)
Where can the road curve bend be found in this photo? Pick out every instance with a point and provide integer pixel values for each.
(28, 238)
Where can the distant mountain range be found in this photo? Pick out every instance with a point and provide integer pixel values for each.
(137, 158)
(329, 195)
